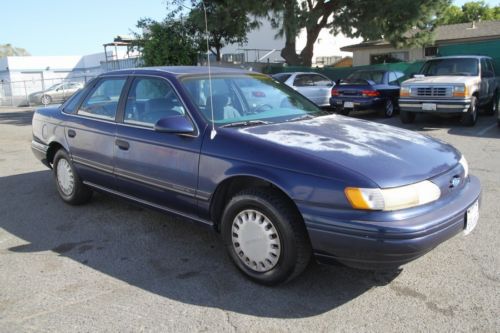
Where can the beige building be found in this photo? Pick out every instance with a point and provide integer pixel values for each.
(463, 36)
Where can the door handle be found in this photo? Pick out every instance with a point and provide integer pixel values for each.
(123, 145)
(71, 133)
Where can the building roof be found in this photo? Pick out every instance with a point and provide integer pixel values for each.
(446, 33)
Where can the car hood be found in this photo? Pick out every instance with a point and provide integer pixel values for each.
(444, 79)
(387, 155)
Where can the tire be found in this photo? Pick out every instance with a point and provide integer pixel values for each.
(407, 117)
(68, 183)
(276, 246)
(470, 117)
(492, 106)
(388, 109)
(46, 99)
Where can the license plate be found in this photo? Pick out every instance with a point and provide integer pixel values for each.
(348, 104)
(428, 107)
(471, 218)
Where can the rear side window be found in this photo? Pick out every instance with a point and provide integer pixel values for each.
(102, 102)
(72, 103)
(281, 77)
(303, 80)
(150, 100)
(393, 79)
(320, 80)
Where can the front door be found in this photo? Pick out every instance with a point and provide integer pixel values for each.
(160, 168)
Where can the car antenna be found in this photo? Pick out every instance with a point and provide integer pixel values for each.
(213, 133)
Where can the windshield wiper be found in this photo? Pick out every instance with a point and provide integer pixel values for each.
(246, 123)
(304, 117)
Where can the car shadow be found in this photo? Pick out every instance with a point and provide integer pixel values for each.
(19, 118)
(164, 255)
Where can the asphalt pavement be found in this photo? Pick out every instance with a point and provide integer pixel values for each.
(114, 266)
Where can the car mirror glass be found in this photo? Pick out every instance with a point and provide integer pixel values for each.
(174, 124)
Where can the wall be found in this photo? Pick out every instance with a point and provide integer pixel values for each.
(488, 48)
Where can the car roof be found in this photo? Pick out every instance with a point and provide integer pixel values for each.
(180, 70)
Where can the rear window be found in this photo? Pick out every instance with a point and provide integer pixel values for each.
(376, 76)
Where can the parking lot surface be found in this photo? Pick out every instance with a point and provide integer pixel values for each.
(114, 266)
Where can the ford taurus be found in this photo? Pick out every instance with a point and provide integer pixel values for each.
(279, 179)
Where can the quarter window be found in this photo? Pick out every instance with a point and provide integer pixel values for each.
(103, 101)
(150, 100)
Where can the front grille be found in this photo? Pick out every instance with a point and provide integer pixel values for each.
(433, 91)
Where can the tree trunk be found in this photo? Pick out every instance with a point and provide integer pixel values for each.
(289, 53)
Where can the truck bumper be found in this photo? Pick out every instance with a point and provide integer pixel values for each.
(434, 105)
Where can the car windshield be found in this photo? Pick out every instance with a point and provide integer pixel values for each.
(451, 66)
(375, 76)
(247, 99)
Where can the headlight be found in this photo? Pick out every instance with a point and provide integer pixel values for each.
(460, 91)
(393, 198)
(465, 165)
(405, 92)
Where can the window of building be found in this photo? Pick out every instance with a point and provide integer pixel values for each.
(431, 51)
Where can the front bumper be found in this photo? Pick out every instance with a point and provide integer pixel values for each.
(440, 105)
(388, 244)
(358, 103)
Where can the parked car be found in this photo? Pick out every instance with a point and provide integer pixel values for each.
(55, 94)
(457, 85)
(314, 86)
(368, 90)
(279, 183)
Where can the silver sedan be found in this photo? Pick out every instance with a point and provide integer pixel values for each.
(314, 86)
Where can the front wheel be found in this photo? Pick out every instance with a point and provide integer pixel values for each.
(46, 100)
(265, 236)
(470, 117)
(69, 185)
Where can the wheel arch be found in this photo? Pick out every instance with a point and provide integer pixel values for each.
(226, 189)
(54, 146)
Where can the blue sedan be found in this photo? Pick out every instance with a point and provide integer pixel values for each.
(279, 179)
(368, 90)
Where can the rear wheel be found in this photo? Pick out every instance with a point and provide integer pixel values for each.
(407, 117)
(388, 109)
(68, 183)
(265, 236)
(470, 117)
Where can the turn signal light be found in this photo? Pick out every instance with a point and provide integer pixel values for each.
(335, 92)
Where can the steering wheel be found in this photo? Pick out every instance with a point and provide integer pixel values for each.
(262, 108)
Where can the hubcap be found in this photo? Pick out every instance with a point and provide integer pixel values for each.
(65, 177)
(45, 100)
(256, 240)
(389, 108)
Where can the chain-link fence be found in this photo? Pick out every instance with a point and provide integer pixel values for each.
(40, 91)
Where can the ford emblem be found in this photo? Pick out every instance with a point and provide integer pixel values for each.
(455, 181)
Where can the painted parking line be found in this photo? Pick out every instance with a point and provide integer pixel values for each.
(484, 130)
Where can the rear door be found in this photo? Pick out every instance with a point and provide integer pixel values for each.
(160, 168)
(91, 132)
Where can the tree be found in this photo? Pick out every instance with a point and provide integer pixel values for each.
(371, 20)
(228, 24)
(470, 11)
(166, 43)
(7, 50)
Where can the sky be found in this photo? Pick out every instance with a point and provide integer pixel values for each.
(78, 27)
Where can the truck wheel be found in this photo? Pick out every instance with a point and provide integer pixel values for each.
(470, 117)
(492, 106)
(407, 117)
(265, 237)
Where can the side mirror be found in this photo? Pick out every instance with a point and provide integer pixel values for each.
(174, 124)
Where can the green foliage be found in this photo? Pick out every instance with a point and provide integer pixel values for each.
(167, 43)
(470, 11)
(7, 50)
(227, 24)
(369, 19)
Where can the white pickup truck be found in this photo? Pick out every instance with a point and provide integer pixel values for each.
(451, 85)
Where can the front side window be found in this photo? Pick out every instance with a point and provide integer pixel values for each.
(103, 100)
(149, 100)
(243, 98)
